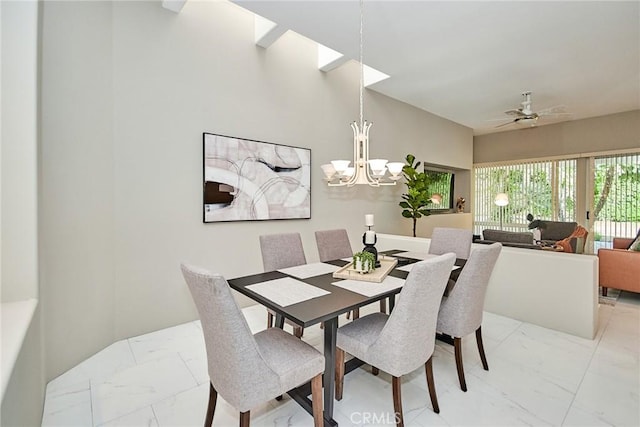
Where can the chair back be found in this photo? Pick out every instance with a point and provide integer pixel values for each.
(456, 240)
(281, 251)
(461, 312)
(407, 340)
(236, 368)
(333, 244)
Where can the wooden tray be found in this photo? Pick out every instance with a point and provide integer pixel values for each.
(348, 272)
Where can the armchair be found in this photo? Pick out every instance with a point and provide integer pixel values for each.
(619, 268)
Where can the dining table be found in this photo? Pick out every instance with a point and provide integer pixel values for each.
(309, 294)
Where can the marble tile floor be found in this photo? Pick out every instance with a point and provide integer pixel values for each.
(537, 377)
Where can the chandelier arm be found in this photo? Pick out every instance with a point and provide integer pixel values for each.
(370, 177)
(356, 156)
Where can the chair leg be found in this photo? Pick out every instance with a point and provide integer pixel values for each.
(485, 365)
(339, 372)
(269, 319)
(375, 371)
(316, 400)
(604, 291)
(244, 419)
(457, 347)
(298, 331)
(356, 313)
(428, 368)
(211, 409)
(397, 400)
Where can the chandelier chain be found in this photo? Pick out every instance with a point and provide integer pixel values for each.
(361, 65)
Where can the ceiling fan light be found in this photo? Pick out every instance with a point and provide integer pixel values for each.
(527, 121)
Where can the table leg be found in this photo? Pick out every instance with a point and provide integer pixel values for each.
(330, 333)
(392, 303)
(301, 394)
(279, 321)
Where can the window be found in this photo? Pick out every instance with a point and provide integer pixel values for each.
(440, 187)
(615, 211)
(546, 189)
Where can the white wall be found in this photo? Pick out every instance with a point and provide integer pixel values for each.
(128, 89)
(22, 369)
(19, 151)
(77, 182)
(554, 290)
(550, 289)
(619, 131)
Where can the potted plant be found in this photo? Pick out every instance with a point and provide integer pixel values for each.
(417, 197)
(364, 262)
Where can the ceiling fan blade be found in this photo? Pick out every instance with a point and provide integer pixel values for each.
(506, 124)
(555, 116)
(558, 109)
(514, 112)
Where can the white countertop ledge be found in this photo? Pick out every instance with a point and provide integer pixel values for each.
(16, 318)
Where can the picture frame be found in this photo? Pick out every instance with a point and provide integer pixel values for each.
(249, 180)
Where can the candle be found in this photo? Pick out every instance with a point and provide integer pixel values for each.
(369, 237)
(368, 220)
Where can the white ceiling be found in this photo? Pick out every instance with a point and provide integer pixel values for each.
(469, 62)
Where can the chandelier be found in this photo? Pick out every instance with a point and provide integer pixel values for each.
(372, 172)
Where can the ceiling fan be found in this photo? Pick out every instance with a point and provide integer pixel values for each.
(525, 116)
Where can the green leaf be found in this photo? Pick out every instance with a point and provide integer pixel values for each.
(410, 158)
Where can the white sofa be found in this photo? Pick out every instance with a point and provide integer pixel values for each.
(551, 289)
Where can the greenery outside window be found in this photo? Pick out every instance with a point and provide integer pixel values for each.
(546, 189)
(615, 211)
(440, 187)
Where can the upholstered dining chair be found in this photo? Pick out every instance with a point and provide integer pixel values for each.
(461, 311)
(245, 369)
(335, 244)
(404, 340)
(282, 251)
(456, 240)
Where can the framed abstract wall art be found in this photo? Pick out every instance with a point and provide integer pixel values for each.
(246, 180)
